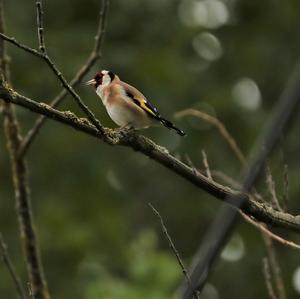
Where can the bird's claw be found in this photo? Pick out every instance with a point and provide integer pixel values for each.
(126, 129)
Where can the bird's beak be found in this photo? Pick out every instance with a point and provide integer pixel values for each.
(91, 82)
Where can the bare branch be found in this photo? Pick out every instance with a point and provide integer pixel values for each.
(206, 166)
(225, 221)
(101, 27)
(90, 115)
(61, 78)
(11, 269)
(40, 26)
(27, 49)
(189, 161)
(271, 187)
(23, 205)
(91, 60)
(269, 234)
(229, 139)
(266, 233)
(58, 73)
(219, 125)
(174, 249)
(21, 188)
(268, 278)
(285, 197)
(276, 270)
(260, 211)
(226, 179)
(30, 292)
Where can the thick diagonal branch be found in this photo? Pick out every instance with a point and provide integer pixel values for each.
(260, 211)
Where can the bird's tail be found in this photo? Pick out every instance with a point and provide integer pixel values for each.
(169, 125)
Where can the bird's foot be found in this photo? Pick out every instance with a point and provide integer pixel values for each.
(126, 129)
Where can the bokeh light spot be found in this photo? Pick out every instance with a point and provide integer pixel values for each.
(234, 250)
(207, 13)
(296, 280)
(246, 93)
(207, 46)
(113, 180)
(209, 292)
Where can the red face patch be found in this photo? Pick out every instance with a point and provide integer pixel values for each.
(98, 78)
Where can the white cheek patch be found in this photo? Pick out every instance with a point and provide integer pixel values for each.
(106, 80)
(99, 90)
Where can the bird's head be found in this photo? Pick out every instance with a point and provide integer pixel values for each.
(102, 78)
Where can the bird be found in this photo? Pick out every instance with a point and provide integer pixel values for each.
(125, 104)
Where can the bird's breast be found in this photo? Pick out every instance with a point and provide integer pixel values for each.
(125, 113)
(121, 109)
(103, 93)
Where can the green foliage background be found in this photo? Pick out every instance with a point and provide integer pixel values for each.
(99, 238)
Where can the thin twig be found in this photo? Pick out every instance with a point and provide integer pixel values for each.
(58, 73)
(61, 78)
(91, 60)
(90, 115)
(275, 267)
(23, 205)
(219, 125)
(270, 183)
(173, 248)
(190, 163)
(22, 192)
(271, 235)
(260, 226)
(265, 232)
(271, 187)
(206, 166)
(225, 221)
(229, 139)
(11, 269)
(285, 197)
(27, 49)
(40, 26)
(226, 179)
(101, 27)
(268, 278)
(30, 292)
(247, 218)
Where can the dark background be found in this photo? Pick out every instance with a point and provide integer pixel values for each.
(98, 237)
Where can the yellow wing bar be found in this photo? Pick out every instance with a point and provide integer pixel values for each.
(144, 104)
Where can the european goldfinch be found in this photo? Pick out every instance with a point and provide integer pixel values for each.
(127, 106)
